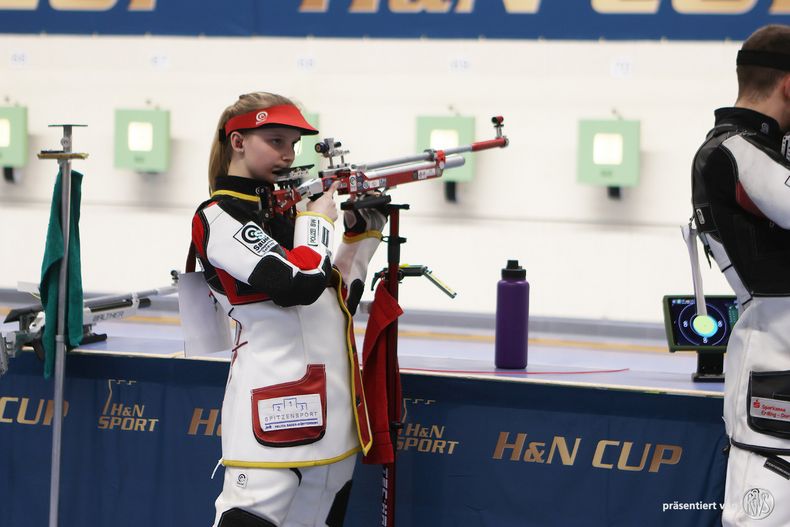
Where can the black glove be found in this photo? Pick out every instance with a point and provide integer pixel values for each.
(366, 219)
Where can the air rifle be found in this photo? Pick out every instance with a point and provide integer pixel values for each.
(361, 180)
(31, 320)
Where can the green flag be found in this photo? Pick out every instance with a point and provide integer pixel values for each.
(50, 273)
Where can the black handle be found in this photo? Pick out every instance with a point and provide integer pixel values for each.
(370, 202)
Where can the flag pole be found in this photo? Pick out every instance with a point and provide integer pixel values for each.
(64, 158)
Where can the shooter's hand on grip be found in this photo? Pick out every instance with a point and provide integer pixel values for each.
(372, 217)
(326, 203)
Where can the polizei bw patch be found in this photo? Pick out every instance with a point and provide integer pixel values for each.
(317, 234)
(253, 238)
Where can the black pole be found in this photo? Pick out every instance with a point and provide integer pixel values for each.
(394, 242)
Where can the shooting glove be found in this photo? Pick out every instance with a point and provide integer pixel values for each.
(361, 239)
(360, 221)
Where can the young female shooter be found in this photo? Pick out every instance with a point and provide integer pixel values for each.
(294, 413)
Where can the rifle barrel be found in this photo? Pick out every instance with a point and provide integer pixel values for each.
(429, 155)
(425, 156)
(118, 304)
(92, 303)
(499, 142)
(452, 162)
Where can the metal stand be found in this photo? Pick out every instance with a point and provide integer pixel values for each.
(64, 158)
(394, 242)
(360, 180)
(392, 275)
(710, 367)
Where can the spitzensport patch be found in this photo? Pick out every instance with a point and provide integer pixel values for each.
(253, 238)
(285, 413)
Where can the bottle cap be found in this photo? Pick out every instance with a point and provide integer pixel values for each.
(514, 271)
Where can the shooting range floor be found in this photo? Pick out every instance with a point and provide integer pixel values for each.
(591, 361)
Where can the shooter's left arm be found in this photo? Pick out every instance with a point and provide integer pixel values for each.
(361, 238)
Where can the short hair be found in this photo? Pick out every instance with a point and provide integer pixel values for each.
(757, 82)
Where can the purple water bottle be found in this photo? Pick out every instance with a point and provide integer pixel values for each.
(512, 317)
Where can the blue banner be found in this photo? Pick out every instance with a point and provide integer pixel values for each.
(475, 453)
(470, 19)
(139, 442)
(141, 437)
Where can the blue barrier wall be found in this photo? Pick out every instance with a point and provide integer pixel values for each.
(519, 19)
(141, 439)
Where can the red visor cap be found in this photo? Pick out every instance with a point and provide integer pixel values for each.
(283, 115)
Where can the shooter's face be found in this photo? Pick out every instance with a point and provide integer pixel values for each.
(267, 150)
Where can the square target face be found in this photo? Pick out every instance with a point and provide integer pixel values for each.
(13, 136)
(608, 153)
(142, 140)
(439, 133)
